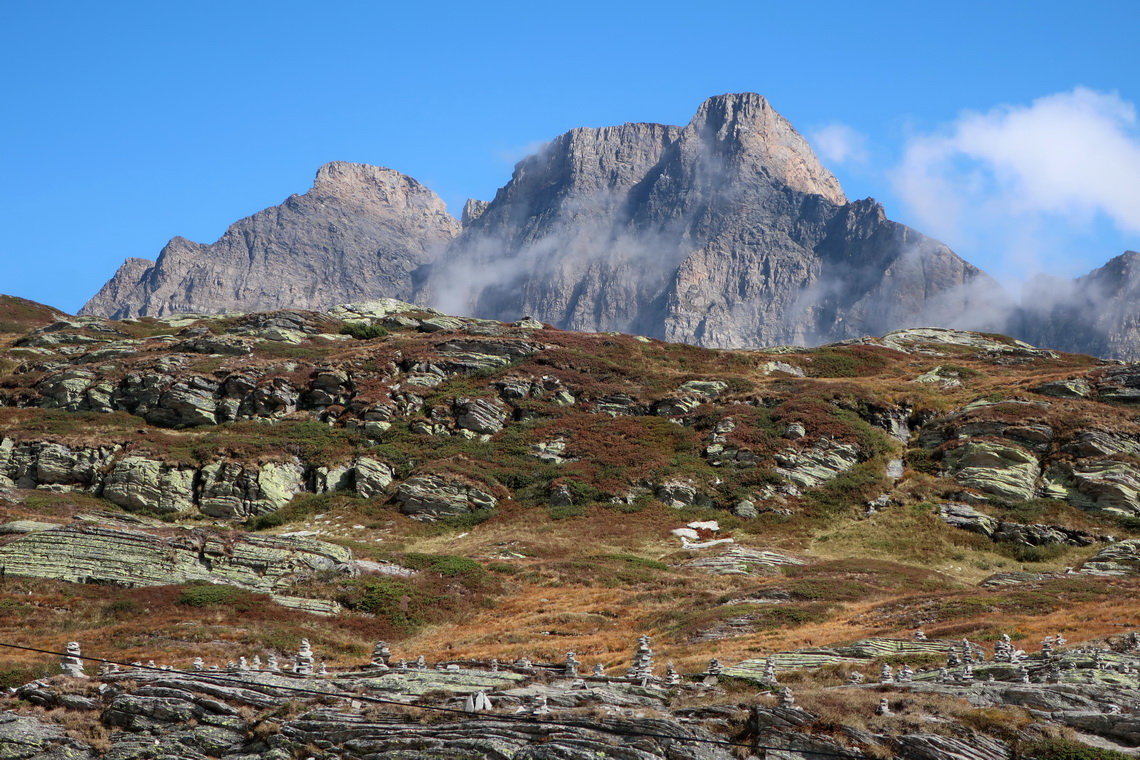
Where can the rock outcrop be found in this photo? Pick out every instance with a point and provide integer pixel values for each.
(359, 233)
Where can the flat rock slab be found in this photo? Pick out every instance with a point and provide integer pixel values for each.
(741, 561)
(414, 683)
(88, 553)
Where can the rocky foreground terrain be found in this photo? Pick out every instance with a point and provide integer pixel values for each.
(382, 531)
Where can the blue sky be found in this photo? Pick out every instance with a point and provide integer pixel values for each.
(1008, 130)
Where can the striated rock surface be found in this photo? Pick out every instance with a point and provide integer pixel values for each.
(430, 497)
(117, 555)
(358, 233)
(724, 232)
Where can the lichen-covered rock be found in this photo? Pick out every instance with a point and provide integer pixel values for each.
(28, 464)
(707, 388)
(1122, 558)
(234, 491)
(680, 493)
(1004, 470)
(140, 484)
(812, 467)
(966, 517)
(1108, 485)
(187, 403)
(372, 477)
(1076, 387)
(429, 497)
(479, 415)
(23, 737)
(89, 553)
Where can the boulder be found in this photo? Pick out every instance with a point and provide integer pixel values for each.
(679, 494)
(1004, 470)
(231, 490)
(1109, 485)
(1076, 387)
(811, 467)
(372, 477)
(140, 484)
(430, 497)
(187, 403)
(1122, 558)
(707, 388)
(479, 415)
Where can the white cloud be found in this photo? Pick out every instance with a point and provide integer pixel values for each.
(839, 144)
(518, 153)
(1023, 182)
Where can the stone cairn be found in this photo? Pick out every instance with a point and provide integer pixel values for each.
(257, 662)
(599, 670)
(886, 675)
(884, 707)
(715, 668)
(952, 658)
(303, 664)
(855, 678)
(769, 677)
(380, 656)
(72, 664)
(421, 663)
(1003, 649)
(642, 667)
(672, 677)
(570, 667)
(198, 664)
(920, 635)
(786, 698)
(905, 675)
(1047, 647)
(494, 664)
(272, 665)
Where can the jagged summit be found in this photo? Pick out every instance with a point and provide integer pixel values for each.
(724, 232)
(747, 125)
(360, 231)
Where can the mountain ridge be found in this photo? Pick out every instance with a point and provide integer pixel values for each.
(726, 232)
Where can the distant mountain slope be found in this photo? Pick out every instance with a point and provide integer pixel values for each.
(1095, 314)
(725, 232)
(360, 231)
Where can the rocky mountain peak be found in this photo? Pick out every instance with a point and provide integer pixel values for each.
(359, 232)
(746, 126)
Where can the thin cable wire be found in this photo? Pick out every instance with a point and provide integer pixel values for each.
(469, 716)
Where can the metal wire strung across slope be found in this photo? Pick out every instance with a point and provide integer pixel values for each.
(466, 715)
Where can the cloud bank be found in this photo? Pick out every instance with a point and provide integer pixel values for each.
(1026, 183)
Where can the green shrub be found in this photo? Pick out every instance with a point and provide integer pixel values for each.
(566, 511)
(210, 595)
(444, 564)
(362, 331)
(394, 599)
(123, 608)
(1065, 749)
(11, 677)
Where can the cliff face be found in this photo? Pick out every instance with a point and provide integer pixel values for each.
(359, 232)
(725, 232)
